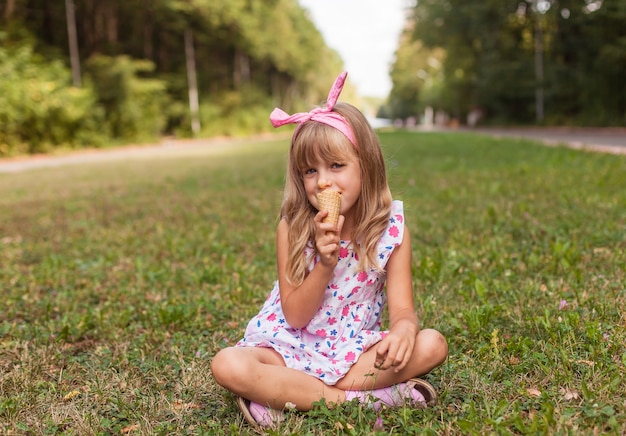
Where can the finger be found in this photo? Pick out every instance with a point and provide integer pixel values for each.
(402, 362)
(381, 355)
(396, 354)
(339, 226)
(319, 216)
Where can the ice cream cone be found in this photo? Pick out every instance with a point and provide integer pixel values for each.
(331, 201)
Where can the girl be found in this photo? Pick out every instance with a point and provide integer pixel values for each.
(319, 333)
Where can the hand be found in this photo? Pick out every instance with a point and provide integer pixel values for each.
(395, 349)
(327, 239)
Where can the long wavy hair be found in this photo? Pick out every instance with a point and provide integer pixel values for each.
(313, 142)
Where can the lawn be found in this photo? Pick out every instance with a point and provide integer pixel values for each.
(120, 280)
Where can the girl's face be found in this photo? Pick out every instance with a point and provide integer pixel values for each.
(339, 174)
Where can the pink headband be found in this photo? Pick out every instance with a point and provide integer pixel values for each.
(323, 115)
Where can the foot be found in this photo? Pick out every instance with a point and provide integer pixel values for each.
(259, 415)
(415, 392)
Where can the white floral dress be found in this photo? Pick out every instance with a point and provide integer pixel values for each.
(346, 324)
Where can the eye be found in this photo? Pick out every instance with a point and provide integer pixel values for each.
(309, 171)
(337, 165)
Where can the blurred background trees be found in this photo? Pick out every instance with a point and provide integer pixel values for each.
(513, 61)
(546, 62)
(248, 55)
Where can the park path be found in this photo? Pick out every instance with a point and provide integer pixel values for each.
(607, 140)
(166, 148)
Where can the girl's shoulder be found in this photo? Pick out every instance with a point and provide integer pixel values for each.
(396, 215)
(395, 228)
(397, 207)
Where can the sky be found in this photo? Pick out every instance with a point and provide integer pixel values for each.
(365, 34)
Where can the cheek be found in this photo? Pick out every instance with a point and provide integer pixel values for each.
(309, 185)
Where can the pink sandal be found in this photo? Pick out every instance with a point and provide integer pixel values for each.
(416, 391)
(426, 389)
(259, 416)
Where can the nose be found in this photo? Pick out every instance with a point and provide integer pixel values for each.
(323, 181)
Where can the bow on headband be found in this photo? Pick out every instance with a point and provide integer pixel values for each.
(323, 115)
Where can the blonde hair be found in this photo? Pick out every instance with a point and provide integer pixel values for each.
(315, 141)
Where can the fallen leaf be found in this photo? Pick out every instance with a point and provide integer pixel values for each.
(533, 392)
(569, 394)
(71, 395)
(514, 360)
(128, 429)
(179, 405)
(586, 362)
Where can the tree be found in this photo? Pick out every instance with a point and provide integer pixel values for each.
(244, 65)
(505, 55)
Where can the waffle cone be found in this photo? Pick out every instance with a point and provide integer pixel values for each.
(331, 201)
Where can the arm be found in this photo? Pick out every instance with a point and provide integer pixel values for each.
(300, 303)
(396, 348)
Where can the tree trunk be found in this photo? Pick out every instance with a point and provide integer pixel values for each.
(147, 30)
(539, 72)
(73, 42)
(193, 86)
(111, 24)
(9, 9)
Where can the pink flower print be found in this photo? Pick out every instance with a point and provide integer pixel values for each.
(357, 318)
(343, 253)
(355, 290)
(345, 311)
(272, 317)
(399, 218)
(319, 370)
(321, 333)
(350, 357)
(332, 320)
(393, 231)
(362, 276)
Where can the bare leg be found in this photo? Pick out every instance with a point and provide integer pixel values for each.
(430, 351)
(260, 375)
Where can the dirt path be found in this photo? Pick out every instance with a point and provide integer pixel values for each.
(166, 148)
(608, 140)
(605, 140)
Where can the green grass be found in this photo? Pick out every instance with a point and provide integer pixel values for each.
(120, 280)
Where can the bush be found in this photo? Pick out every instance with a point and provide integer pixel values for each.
(236, 113)
(134, 106)
(39, 109)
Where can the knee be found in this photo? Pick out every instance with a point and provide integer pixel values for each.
(226, 367)
(434, 344)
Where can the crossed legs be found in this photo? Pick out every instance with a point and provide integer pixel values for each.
(260, 374)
